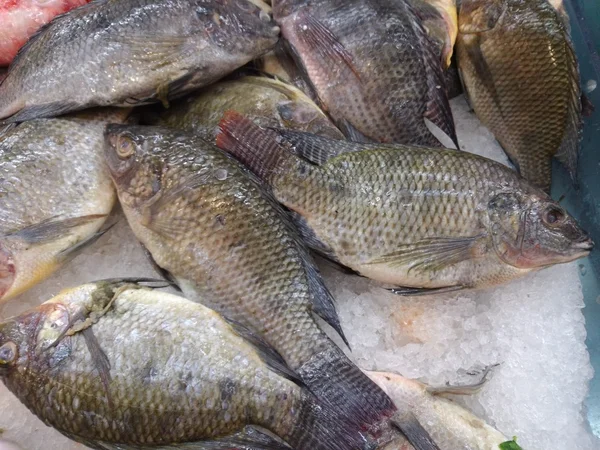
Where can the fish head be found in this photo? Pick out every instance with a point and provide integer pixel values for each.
(18, 336)
(7, 269)
(531, 231)
(36, 338)
(135, 162)
(241, 25)
(478, 16)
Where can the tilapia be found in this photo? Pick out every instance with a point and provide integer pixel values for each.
(115, 52)
(55, 194)
(372, 65)
(119, 367)
(521, 76)
(267, 101)
(420, 219)
(453, 426)
(213, 228)
(22, 18)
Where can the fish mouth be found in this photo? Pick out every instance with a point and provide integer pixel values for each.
(584, 246)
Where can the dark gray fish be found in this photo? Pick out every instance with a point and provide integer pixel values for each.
(373, 66)
(115, 52)
(421, 219)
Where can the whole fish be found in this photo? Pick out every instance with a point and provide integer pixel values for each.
(224, 240)
(115, 52)
(118, 367)
(453, 426)
(55, 194)
(266, 101)
(521, 76)
(416, 218)
(22, 18)
(373, 67)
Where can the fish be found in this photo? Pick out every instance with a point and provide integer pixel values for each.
(521, 76)
(124, 53)
(211, 225)
(117, 366)
(22, 18)
(55, 195)
(374, 68)
(267, 101)
(453, 426)
(422, 220)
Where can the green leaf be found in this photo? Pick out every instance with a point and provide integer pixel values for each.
(510, 445)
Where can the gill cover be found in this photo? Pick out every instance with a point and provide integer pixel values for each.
(477, 16)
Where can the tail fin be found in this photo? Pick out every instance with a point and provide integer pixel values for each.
(334, 379)
(319, 427)
(257, 148)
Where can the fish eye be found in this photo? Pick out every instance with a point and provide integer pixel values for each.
(553, 216)
(8, 353)
(125, 147)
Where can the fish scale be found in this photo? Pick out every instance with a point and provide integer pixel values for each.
(522, 79)
(178, 374)
(217, 231)
(110, 52)
(430, 219)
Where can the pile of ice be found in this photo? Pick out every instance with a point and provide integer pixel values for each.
(533, 328)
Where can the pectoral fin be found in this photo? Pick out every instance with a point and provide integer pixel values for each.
(165, 224)
(431, 254)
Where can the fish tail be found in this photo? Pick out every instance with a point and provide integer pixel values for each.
(338, 382)
(257, 148)
(319, 427)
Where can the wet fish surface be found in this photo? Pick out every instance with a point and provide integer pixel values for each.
(116, 366)
(372, 65)
(21, 18)
(267, 101)
(212, 226)
(55, 194)
(113, 52)
(521, 76)
(453, 426)
(420, 219)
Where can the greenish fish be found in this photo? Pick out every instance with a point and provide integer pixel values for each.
(373, 66)
(55, 194)
(268, 102)
(212, 226)
(411, 217)
(521, 76)
(124, 52)
(120, 367)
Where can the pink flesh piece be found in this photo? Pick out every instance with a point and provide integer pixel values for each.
(21, 18)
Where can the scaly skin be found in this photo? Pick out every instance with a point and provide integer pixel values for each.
(178, 372)
(521, 76)
(268, 102)
(51, 169)
(217, 231)
(120, 53)
(370, 204)
(395, 73)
